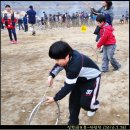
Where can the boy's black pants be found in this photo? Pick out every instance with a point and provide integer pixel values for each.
(12, 31)
(83, 95)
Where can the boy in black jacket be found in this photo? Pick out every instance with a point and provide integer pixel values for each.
(82, 80)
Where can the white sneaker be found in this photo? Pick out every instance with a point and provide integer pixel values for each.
(90, 113)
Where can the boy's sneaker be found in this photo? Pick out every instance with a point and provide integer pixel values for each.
(34, 33)
(14, 42)
(117, 68)
(90, 113)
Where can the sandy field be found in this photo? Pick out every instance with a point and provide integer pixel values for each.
(25, 67)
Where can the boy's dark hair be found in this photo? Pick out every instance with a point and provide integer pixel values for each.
(101, 18)
(31, 7)
(109, 4)
(59, 50)
(7, 6)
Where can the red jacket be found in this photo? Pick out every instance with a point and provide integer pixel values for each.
(106, 36)
(9, 23)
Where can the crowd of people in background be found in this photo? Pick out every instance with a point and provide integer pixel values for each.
(61, 20)
(55, 20)
(66, 20)
(30, 21)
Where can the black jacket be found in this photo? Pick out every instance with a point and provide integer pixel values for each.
(31, 16)
(80, 69)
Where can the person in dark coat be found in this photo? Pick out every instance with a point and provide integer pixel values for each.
(31, 19)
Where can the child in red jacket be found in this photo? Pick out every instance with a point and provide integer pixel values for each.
(108, 41)
(9, 20)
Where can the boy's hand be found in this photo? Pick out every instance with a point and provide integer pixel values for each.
(49, 100)
(98, 48)
(50, 81)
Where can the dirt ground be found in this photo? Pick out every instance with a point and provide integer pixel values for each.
(25, 67)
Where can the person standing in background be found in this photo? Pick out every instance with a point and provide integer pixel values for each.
(25, 22)
(20, 22)
(126, 16)
(32, 19)
(9, 19)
